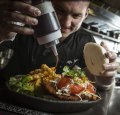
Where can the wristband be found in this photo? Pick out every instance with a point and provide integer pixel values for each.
(103, 86)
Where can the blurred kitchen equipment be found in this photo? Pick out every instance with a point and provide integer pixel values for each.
(48, 29)
(5, 57)
(118, 61)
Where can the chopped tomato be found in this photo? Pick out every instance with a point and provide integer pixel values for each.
(91, 88)
(75, 89)
(64, 81)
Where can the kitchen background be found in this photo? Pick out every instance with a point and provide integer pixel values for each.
(104, 23)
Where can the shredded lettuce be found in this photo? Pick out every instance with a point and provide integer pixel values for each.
(22, 84)
(74, 72)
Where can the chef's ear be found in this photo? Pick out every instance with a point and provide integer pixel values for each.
(87, 12)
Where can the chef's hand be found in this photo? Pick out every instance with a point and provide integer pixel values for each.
(20, 11)
(110, 69)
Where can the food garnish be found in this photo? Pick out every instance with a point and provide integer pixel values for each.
(31, 83)
(72, 84)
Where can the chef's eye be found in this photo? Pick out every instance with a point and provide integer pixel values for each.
(76, 16)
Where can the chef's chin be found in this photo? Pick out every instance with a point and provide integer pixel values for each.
(64, 36)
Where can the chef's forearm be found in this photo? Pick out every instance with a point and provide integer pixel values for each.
(105, 83)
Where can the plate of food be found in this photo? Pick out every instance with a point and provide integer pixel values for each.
(45, 90)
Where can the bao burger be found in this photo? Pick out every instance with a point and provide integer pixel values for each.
(94, 56)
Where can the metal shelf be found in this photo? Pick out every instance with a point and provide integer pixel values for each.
(102, 36)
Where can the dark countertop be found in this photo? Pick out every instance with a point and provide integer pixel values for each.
(110, 105)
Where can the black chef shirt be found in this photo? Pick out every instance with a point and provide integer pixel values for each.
(29, 55)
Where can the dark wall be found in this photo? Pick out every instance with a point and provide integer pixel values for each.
(113, 3)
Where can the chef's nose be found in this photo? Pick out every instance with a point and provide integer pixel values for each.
(67, 21)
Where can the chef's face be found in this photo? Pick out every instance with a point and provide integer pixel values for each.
(71, 14)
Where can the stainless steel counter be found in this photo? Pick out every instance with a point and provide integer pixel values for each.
(114, 105)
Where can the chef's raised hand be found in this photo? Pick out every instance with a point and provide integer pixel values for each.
(111, 67)
(107, 76)
(20, 11)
